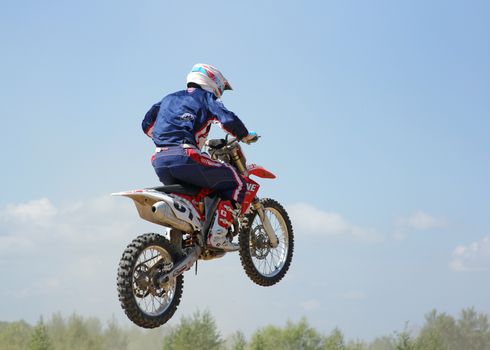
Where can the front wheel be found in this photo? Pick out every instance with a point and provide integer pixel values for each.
(263, 264)
(145, 302)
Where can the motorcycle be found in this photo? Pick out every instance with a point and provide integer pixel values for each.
(150, 274)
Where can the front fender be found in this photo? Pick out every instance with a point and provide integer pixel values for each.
(260, 171)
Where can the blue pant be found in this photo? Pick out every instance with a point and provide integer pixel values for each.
(187, 165)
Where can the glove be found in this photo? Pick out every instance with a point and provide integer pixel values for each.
(251, 137)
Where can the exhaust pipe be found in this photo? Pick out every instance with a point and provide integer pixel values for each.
(164, 214)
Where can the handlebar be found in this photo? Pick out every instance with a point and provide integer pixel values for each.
(252, 140)
(227, 141)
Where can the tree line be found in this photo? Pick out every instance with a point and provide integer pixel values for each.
(469, 331)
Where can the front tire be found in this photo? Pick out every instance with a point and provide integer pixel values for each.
(263, 264)
(146, 303)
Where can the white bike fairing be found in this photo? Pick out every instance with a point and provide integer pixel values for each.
(145, 199)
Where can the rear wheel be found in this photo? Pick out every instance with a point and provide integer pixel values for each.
(263, 264)
(145, 302)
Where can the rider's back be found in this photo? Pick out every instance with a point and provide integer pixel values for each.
(181, 115)
(186, 116)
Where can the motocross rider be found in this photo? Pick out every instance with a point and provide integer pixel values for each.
(179, 125)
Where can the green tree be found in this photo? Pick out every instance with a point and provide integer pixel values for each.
(474, 330)
(15, 335)
(83, 334)
(237, 341)
(335, 340)
(39, 339)
(298, 336)
(439, 333)
(114, 337)
(57, 329)
(382, 343)
(355, 345)
(404, 341)
(196, 332)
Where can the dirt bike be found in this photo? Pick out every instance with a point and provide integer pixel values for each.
(150, 275)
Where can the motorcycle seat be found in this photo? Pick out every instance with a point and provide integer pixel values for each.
(189, 190)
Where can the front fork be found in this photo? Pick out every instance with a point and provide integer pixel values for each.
(266, 224)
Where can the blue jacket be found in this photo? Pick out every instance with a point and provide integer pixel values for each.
(186, 117)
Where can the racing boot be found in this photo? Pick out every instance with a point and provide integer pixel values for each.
(225, 216)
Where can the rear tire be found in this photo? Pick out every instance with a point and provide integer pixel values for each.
(263, 264)
(145, 303)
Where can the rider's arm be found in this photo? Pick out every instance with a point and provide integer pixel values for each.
(149, 119)
(228, 120)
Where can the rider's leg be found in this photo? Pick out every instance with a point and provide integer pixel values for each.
(224, 218)
(231, 187)
(179, 165)
(198, 169)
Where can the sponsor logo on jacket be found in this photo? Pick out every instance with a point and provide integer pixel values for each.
(187, 117)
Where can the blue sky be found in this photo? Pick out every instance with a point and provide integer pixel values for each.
(374, 116)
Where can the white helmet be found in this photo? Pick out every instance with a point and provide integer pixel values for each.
(209, 78)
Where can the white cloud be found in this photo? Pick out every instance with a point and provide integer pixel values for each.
(22, 223)
(39, 211)
(417, 221)
(472, 257)
(67, 251)
(39, 222)
(308, 219)
(423, 221)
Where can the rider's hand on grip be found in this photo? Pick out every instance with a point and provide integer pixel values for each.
(251, 137)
